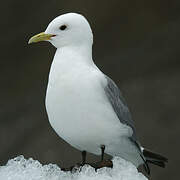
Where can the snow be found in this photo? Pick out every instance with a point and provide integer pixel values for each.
(20, 168)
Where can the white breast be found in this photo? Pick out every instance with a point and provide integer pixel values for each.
(79, 111)
(77, 106)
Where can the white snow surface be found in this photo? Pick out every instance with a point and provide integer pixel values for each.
(20, 168)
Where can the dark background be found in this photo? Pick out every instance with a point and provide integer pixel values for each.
(137, 43)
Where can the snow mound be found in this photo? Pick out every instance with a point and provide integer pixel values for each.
(21, 169)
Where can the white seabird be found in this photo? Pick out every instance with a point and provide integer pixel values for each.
(84, 106)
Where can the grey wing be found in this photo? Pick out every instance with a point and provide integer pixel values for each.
(121, 109)
(119, 104)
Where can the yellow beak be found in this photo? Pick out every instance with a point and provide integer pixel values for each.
(40, 37)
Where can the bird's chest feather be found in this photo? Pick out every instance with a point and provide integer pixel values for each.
(68, 93)
(78, 109)
(71, 101)
(75, 89)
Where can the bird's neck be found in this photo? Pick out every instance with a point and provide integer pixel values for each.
(70, 59)
(74, 54)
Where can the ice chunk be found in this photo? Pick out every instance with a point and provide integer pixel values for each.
(21, 169)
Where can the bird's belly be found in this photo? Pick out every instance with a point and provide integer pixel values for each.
(81, 116)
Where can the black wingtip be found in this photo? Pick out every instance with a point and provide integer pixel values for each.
(158, 163)
(151, 156)
(146, 166)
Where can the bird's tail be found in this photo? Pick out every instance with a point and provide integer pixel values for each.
(154, 158)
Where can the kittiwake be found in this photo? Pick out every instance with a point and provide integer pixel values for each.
(84, 106)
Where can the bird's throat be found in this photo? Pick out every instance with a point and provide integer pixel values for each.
(74, 53)
(70, 59)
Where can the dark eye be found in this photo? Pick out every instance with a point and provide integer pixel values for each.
(63, 27)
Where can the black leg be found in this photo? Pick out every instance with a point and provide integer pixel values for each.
(83, 157)
(102, 152)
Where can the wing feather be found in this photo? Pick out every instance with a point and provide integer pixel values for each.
(119, 104)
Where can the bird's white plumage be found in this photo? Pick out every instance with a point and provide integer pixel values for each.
(76, 103)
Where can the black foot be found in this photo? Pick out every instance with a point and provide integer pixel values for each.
(101, 164)
(76, 167)
(96, 165)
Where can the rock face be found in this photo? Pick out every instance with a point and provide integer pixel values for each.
(22, 169)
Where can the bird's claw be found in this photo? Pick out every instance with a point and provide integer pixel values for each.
(96, 165)
(101, 164)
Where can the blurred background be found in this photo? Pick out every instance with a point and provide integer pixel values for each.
(135, 42)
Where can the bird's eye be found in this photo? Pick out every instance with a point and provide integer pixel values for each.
(63, 27)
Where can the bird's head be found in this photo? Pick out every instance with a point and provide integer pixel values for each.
(70, 29)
